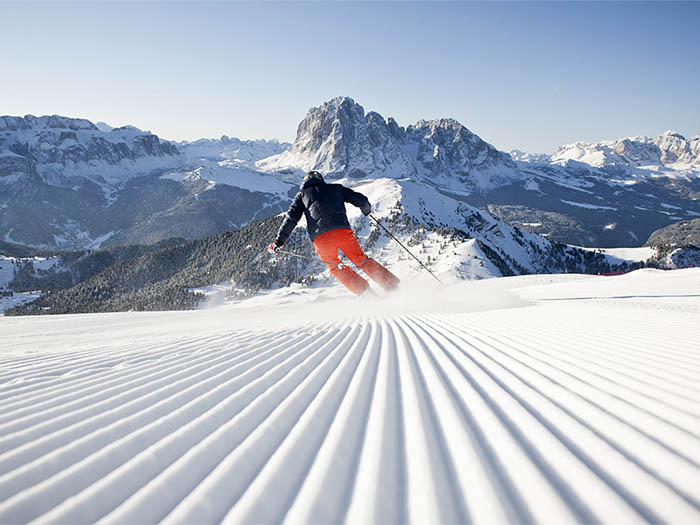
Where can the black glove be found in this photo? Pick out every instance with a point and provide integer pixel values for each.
(366, 210)
(274, 246)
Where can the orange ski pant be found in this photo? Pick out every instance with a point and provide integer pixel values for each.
(327, 246)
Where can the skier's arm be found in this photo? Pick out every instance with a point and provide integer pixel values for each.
(294, 213)
(357, 199)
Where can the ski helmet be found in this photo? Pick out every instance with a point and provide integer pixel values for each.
(313, 174)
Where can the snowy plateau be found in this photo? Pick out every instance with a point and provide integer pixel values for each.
(527, 399)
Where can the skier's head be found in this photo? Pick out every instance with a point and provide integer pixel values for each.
(313, 175)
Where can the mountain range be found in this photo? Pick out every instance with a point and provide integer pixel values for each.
(469, 210)
(70, 184)
(605, 194)
(67, 184)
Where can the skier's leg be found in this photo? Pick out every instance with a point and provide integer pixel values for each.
(350, 247)
(327, 249)
(380, 274)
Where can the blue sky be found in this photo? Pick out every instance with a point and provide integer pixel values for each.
(526, 75)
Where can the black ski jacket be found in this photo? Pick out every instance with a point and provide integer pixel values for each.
(324, 207)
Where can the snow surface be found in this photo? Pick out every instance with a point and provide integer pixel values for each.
(551, 399)
(232, 175)
(588, 206)
(616, 256)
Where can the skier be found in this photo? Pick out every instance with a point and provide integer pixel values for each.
(328, 226)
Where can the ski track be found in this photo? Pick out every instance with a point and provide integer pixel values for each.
(421, 418)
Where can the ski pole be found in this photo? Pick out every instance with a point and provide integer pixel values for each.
(402, 246)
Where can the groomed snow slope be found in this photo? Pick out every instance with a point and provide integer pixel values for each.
(551, 399)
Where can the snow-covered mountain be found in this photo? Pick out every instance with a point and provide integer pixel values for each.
(459, 240)
(65, 152)
(574, 200)
(607, 193)
(69, 184)
(232, 151)
(339, 139)
(670, 149)
(523, 156)
(66, 183)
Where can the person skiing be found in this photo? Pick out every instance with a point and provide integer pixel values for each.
(323, 205)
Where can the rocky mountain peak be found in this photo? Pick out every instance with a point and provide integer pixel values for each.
(450, 148)
(330, 120)
(674, 134)
(340, 139)
(396, 131)
(439, 123)
(675, 148)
